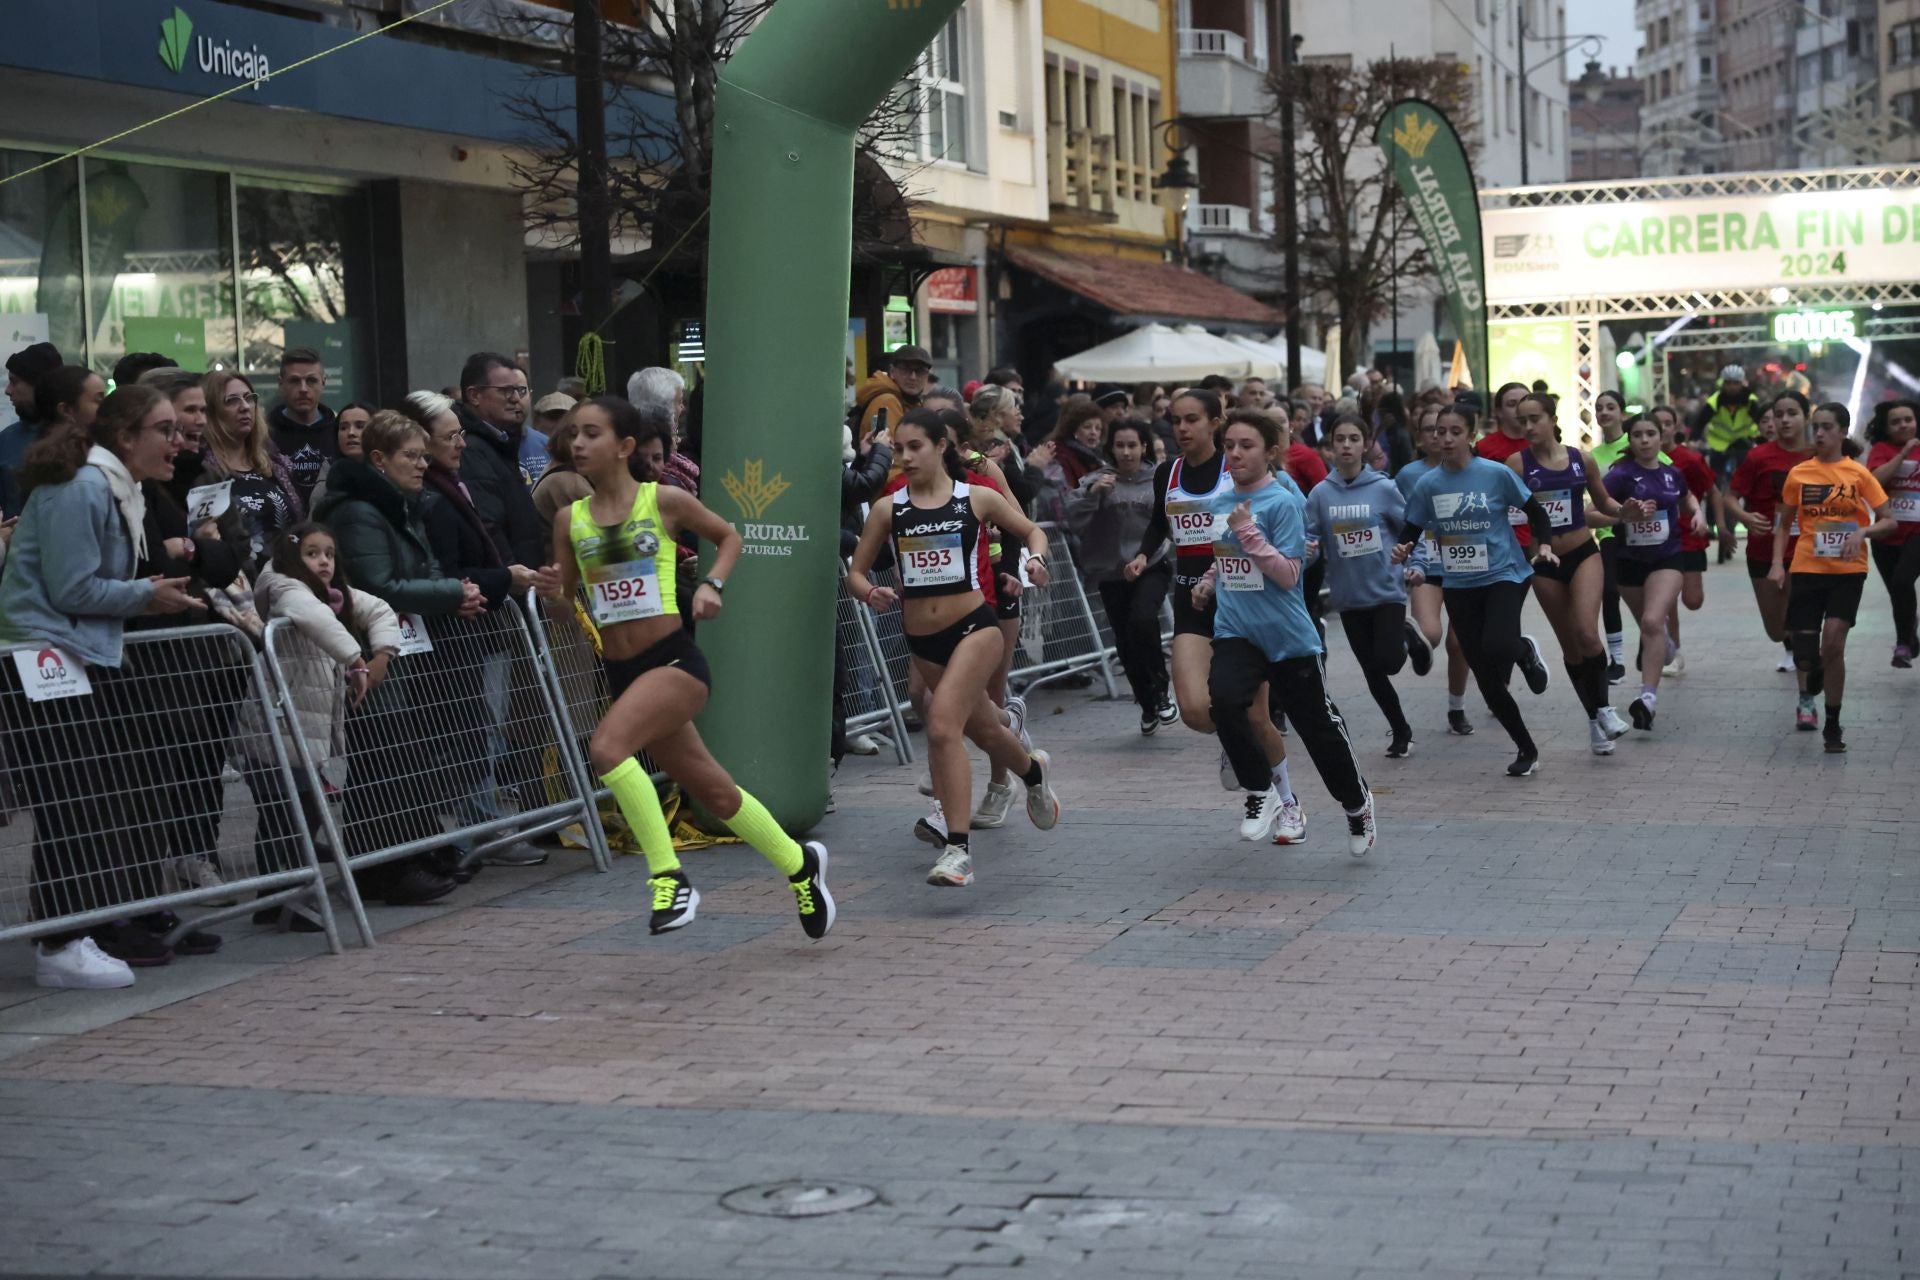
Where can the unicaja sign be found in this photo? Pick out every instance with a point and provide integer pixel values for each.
(179, 45)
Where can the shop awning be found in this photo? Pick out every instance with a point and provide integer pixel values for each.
(1144, 291)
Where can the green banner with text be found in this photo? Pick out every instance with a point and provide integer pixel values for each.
(1436, 178)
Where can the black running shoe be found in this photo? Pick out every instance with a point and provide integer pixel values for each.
(674, 901)
(1523, 765)
(1419, 652)
(1149, 721)
(1615, 673)
(1533, 666)
(1458, 724)
(810, 889)
(1401, 745)
(1836, 745)
(1641, 714)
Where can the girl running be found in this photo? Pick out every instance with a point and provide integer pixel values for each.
(1424, 580)
(937, 527)
(1570, 591)
(1693, 542)
(1895, 465)
(1354, 519)
(1609, 415)
(1753, 497)
(1264, 635)
(1658, 505)
(619, 545)
(1837, 504)
(1466, 503)
(1190, 499)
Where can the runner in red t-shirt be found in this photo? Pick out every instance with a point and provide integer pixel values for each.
(1693, 546)
(1752, 498)
(1505, 440)
(1895, 463)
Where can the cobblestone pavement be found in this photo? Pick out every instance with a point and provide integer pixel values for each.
(1650, 1015)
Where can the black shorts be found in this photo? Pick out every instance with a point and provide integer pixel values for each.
(1563, 572)
(1631, 572)
(676, 650)
(1005, 609)
(1693, 562)
(1815, 597)
(938, 648)
(1758, 569)
(1188, 618)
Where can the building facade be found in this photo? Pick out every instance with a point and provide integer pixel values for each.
(1899, 65)
(1603, 116)
(1679, 67)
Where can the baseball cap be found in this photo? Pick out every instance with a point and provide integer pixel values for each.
(1733, 373)
(910, 354)
(554, 402)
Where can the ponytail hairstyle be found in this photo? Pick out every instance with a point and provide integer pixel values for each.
(1849, 447)
(1209, 401)
(288, 563)
(1551, 404)
(934, 425)
(642, 424)
(59, 454)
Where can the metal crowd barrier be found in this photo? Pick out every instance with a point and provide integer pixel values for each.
(1059, 634)
(131, 781)
(451, 750)
(868, 696)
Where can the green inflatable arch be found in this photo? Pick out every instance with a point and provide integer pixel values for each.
(778, 271)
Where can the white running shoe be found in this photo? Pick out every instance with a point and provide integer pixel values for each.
(953, 870)
(1599, 738)
(1263, 809)
(1676, 665)
(993, 807)
(1361, 830)
(1785, 665)
(1229, 779)
(925, 785)
(79, 966)
(1291, 826)
(1015, 715)
(932, 829)
(1610, 721)
(1043, 806)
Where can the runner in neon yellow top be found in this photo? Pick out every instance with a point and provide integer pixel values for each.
(618, 547)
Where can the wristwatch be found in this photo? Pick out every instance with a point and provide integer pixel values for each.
(718, 584)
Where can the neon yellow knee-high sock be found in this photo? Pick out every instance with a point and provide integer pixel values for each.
(756, 826)
(640, 806)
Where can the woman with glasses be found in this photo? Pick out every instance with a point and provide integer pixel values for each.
(240, 455)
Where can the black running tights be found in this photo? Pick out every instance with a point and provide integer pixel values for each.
(1487, 620)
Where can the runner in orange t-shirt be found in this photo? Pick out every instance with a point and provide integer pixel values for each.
(1835, 502)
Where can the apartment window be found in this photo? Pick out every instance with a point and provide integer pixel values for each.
(1666, 84)
(1666, 32)
(1903, 44)
(941, 78)
(1706, 70)
(1906, 108)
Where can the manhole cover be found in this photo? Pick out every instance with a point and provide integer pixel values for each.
(798, 1199)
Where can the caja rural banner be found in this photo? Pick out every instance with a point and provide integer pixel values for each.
(1718, 242)
(1437, 180)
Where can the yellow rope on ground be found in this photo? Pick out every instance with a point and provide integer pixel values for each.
(236, 87)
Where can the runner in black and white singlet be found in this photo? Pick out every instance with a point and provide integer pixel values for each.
(935, 525)
(1194, 495)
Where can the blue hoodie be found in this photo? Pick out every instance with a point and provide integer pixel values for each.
(1357, 522)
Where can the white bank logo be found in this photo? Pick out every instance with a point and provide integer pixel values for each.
(216, 57)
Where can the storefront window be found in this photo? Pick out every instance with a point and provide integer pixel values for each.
(40, 254)
(297, 287)
(160, 264)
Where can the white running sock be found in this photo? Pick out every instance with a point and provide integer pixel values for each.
(1282, 783)
(1456, 702)
(1616, 645)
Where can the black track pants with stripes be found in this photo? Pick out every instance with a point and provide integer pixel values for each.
(1300, 689)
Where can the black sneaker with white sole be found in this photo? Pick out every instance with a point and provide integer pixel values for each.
(1149, 721)
(1641, 714)
(675, 901)
(1458, 724)
(1533, 666)
(1524, 765)
(810, 890)
(1419, 652)
(1400, 746)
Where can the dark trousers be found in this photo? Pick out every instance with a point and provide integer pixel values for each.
(79, 765)
(1899, 568)
(195, 688)
(1378, 637)
(1133, 611)
(1300, 687)
(1487, 620)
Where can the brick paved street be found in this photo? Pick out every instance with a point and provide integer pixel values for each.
(1650, 1015)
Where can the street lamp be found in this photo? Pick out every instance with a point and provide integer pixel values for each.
(1178, 178)
(1590, 44)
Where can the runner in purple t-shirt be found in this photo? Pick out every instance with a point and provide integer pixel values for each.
(1655, 497)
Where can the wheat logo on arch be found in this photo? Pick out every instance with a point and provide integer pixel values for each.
(752, 493)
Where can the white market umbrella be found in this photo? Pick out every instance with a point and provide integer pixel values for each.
(1426, 363)
(1155, 353)
(1261, 361)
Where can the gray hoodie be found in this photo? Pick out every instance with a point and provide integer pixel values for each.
(1356, 522)
(1109, 523)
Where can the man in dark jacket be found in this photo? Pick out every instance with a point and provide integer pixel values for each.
(303, 429)
(493, 412)
(24, 369)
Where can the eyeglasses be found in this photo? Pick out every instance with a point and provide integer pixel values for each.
(234, 402)
(511, 393)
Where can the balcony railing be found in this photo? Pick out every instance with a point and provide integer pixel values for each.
(1202, 42)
